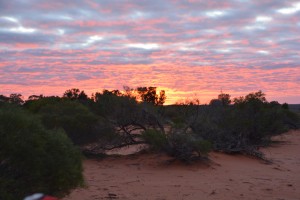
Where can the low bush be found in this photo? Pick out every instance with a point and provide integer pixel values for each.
(187, 147)
(33, 159)
(79, 123)
(157, 140)
(244, 126)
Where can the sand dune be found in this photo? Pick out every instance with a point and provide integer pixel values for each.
(153, 177)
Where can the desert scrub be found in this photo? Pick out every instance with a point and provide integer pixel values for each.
(187, 147)
(156, 140)
(33, 159)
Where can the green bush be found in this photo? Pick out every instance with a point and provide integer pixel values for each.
(79, 123)
(33, 159)
(187, 147)
(243, 126)
(156, 139)
(35, 105)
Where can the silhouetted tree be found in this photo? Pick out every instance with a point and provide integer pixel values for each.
(112, 92)
(239, 100)
(75, 94)
(253, 98)
(148, 94)
(225, 99)
(162, 98)
(258, 96)
(35, 97)
(72, 93)
(82, 96)
(285, 106)
(274, 104)
(4, 98)
(215, 102)
(222, 100)
(16, 99)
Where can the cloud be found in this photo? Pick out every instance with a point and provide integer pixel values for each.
(185, 46)
(294, 8)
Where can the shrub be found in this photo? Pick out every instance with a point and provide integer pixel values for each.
(35, 105)
(156, 139)
(187, 147)
(33, 159)
(244, 126)
(79, 123)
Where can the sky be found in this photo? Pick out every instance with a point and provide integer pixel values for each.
(190, 48)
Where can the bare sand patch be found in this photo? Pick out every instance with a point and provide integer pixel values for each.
(153, 177)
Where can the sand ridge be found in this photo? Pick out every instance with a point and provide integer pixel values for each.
(154, 177)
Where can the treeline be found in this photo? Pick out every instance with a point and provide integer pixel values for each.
(51, 126)
(144, 94)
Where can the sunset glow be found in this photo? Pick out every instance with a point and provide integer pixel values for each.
(191, 49)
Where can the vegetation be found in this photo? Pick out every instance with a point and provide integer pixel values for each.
(34, 159)
(44, 130)
(148, 94)
(79, 123)
(250, 122)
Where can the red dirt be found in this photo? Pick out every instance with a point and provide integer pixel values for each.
(153, 177)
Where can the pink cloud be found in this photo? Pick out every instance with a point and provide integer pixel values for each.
(180, 46)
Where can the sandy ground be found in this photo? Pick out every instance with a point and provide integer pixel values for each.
(227, 177)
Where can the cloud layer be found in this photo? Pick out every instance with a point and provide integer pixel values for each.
(188, 47)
